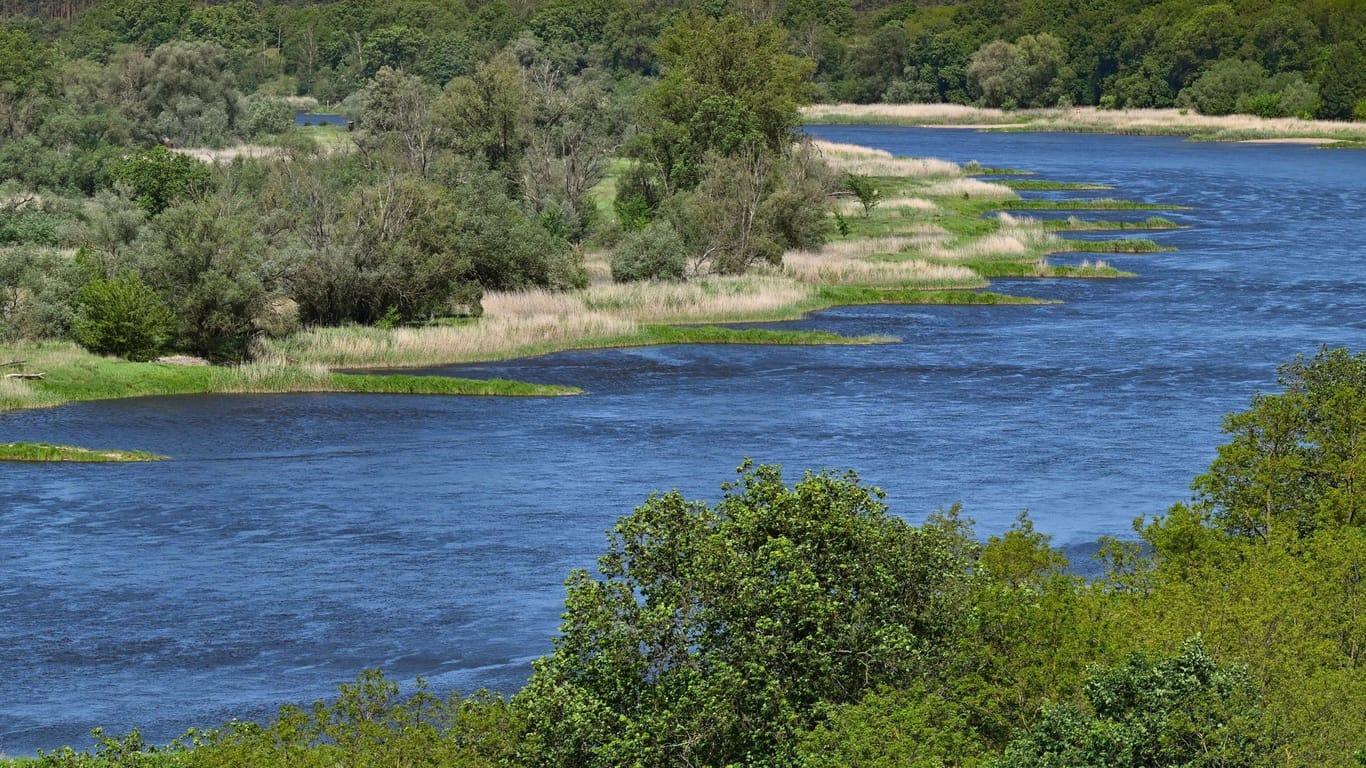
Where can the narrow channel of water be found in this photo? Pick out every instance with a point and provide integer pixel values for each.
(298, 539)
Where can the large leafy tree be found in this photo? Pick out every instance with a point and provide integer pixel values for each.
(728, 86)
(1297, 459)
(1179, 710)
(719, 634)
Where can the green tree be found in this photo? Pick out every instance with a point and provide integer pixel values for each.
(190, 97)
(1297, 459)
(729, 86)
(718, 635)
(1222, 87)
(158, 177)
(123, 316)
(1183, 709)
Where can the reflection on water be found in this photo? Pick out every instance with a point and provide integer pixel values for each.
(298, 539)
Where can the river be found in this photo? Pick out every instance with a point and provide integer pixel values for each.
(297, 539)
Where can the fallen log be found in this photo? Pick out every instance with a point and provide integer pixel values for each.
(26, 376)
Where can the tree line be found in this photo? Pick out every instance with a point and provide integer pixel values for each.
(457, 180)
(804, 624)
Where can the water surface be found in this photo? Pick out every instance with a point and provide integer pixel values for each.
(298, 539)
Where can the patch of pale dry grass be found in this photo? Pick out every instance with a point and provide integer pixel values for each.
(715, 299)
(904, 167)
(831, 150)
(867, 246)
(1021, 238)
(973, 189)
(826, 268)
(489, 338)
(929, 114)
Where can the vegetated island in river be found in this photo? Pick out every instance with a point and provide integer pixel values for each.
(1143, 122)
(919, 236)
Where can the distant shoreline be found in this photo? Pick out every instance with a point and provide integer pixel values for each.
(1146, 122)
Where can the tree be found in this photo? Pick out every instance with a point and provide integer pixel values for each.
(718, 634)
(189, 97)
(486, 115)
(1297, 460)
(1178, 710)
(1220, 90)
(1030, 72)
(159, 177)
(123, 316)
(729, 86)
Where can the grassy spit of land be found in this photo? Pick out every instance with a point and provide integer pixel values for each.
(49, 452)
(1147, 122)
(930, 240)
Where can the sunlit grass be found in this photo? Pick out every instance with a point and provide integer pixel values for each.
(46, 452)
(1157, 122)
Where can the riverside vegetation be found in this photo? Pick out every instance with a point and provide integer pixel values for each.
(804, 624)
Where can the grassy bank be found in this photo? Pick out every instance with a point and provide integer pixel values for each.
(71, 374)
(1146, 122)
(937, 236)
(46, 452)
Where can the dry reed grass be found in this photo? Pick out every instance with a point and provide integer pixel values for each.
(950, 114)
(973, 189)
(1020, 238)
(824, 268)
(711, 300)
(1158, 121)
(868, 246)
(903, 167)
(831, 150)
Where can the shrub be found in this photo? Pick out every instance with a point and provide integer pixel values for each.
(654, 253)
(122, 316)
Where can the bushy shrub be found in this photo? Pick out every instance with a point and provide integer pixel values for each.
(123, 316)
(654, 253)
(267, 116)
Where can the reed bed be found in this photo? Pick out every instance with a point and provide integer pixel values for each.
(901, 167)
(832, 150)
(717, 299)
(927, 114)
(1021, 238)
(971, 189)
(867, 246)
(1173, 122)
(490, 338)
(821, 268)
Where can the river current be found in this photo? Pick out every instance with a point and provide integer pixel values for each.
(295, 540)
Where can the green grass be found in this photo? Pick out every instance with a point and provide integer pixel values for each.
(854, 295)
(1124, 245)
(48, 452)
(73, 375)
(1094, 204)
(1041, 269)
(1042, 185)
(1073, 224)
(714, 334)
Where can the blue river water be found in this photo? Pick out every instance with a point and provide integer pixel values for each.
(295, 540)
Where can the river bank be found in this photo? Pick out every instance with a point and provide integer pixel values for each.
(1145, 122)
(927, 239)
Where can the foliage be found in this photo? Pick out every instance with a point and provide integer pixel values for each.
(1183, 710)
(729, 87)
(267, 116)
(864, 189)
(656, 252)
(1294, 463)
(122, 316)
(38, 294)
(189, 97)
(158, 177)
(1030, 72)
(717, 635)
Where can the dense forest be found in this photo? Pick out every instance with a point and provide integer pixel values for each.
(481, 131)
